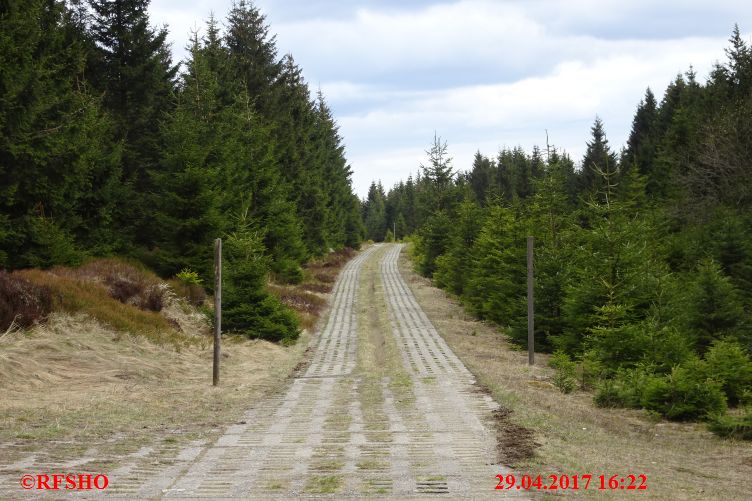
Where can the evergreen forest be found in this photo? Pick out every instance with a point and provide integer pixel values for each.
(110, 147)
(643, 255)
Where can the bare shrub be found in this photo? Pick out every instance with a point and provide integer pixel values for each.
(22, 302)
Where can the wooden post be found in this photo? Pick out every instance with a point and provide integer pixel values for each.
(217, 307)
(530, 305)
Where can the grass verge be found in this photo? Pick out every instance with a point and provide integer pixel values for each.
(76, 391)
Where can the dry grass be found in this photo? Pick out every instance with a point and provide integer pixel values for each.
(191, 293)
(682, 461)
(127, 281)
(74, 295)
(74, 388)
(104, 378)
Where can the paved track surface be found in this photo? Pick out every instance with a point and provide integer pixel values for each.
(385, 410)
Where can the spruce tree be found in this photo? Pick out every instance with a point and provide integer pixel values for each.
(453, 267)
(496, 283)
(482, 177)
(250, 175)
(550, 220)
(438, 173)
(59, 164)
(134, 71)
(336, 173)
(643, 142)
(374, 213)
(714, 310)
(598, 159)
(254, 65)
(615, 278)
(186, 192)
(247, 307)
(300, 154)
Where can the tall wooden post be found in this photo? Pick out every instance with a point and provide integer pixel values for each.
(217, 307)
(530, 305)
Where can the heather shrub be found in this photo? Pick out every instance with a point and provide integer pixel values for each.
(22, 302)
(127, 282)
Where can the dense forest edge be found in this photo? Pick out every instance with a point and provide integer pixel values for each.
(110, 148)
(643, 257)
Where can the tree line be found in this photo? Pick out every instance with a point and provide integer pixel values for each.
(109, 147)
(643, 256)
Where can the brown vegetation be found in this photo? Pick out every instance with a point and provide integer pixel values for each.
(194, 294)
(321, 274)
(117, 293)
(127, 281)
(22, 303)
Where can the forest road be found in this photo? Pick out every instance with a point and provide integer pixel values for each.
(384, 410)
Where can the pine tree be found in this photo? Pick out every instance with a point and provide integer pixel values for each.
(438, 173)
(58, 161)
(254, 66)
(187, 196)
(598, 159)
(134, 71)
(643, 142)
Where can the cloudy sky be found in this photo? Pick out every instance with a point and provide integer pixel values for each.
(483, 74)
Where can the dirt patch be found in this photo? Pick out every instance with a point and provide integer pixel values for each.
(301, 367)
(515, 444)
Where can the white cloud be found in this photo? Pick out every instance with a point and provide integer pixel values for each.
(486, 117)
(483, 74)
